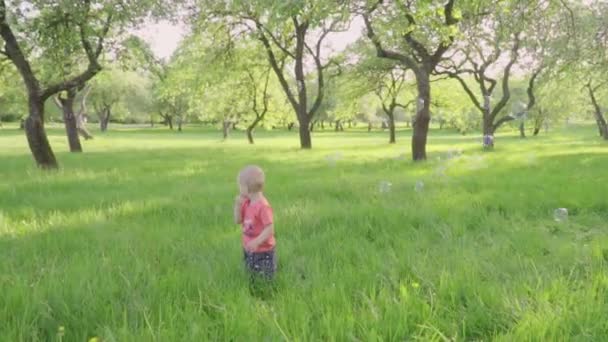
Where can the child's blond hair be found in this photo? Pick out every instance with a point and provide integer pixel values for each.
(252, 176)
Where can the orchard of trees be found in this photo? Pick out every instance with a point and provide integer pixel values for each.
(467, 65)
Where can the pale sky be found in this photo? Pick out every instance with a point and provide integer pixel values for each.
(164, 37)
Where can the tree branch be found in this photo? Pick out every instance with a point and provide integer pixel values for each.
(277, 70)
(381, 52)
(272, 37)
(506, 92)
(502, 120)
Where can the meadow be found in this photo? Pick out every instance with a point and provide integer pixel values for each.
(133, 240)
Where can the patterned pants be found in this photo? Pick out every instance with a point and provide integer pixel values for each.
(262, 264)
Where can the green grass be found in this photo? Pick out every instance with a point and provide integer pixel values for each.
(133, 240)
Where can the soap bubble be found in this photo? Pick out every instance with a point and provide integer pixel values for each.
(477, 162)
(454, 153)
(441, 170)
(560, 214)
(419, 186)
(400, 157)
(332, 159)
(385, 187)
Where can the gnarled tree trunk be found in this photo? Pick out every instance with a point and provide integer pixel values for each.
(69, 119)
(423, 116)
(226, 125)
(599, 116)
(36, 134)
(522, 130)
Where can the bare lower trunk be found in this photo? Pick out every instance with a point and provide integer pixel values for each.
(290, 126)
(305, 139)
(179, 124)
(369, 126)
(488, 132)
(423, 117)
(226, 129)
(536, 131)
(69, 119)
(250, 135)
(104, 120)
(599, 116)
(36, 135)
(522, 130)
(169, 121)
(391, 126)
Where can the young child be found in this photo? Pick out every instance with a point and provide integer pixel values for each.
(253, 212)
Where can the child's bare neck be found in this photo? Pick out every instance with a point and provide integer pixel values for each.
(256, 196)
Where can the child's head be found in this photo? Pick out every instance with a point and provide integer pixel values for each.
(251, 180)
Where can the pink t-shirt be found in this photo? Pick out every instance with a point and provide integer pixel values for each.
(255, 217)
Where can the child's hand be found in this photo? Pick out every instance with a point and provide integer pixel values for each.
(252, 245)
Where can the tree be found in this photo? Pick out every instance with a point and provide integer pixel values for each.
(74, 122)
(295, 30)
(87, 22)
(495, 42)
(430, 29)
(591, 52)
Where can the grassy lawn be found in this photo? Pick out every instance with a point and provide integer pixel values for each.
(133, 240)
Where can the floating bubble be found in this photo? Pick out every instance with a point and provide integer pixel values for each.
(402, 156)
(477, 163)
(419, 187)
(440, 171)
(454, 153)
(385, 187)
(332, 159)
(560, 214)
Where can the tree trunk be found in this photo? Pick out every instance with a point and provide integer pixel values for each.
(82, 130)
(391, 127)
(522, 130)
(423, 117)
(104, 120)
(36, 135)
(537, 126)
(69, 120)
(225, 129)
(337, 126)
(322, 124)
(169, 121)
(180, 122)
(488, 131)
(599, 116)
(250, 135)
(304, 120)
(22, 124)
(369, 126)
(290, 126)
(312, 126)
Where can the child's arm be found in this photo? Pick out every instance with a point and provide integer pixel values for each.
(265, 235)
(238, 204)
